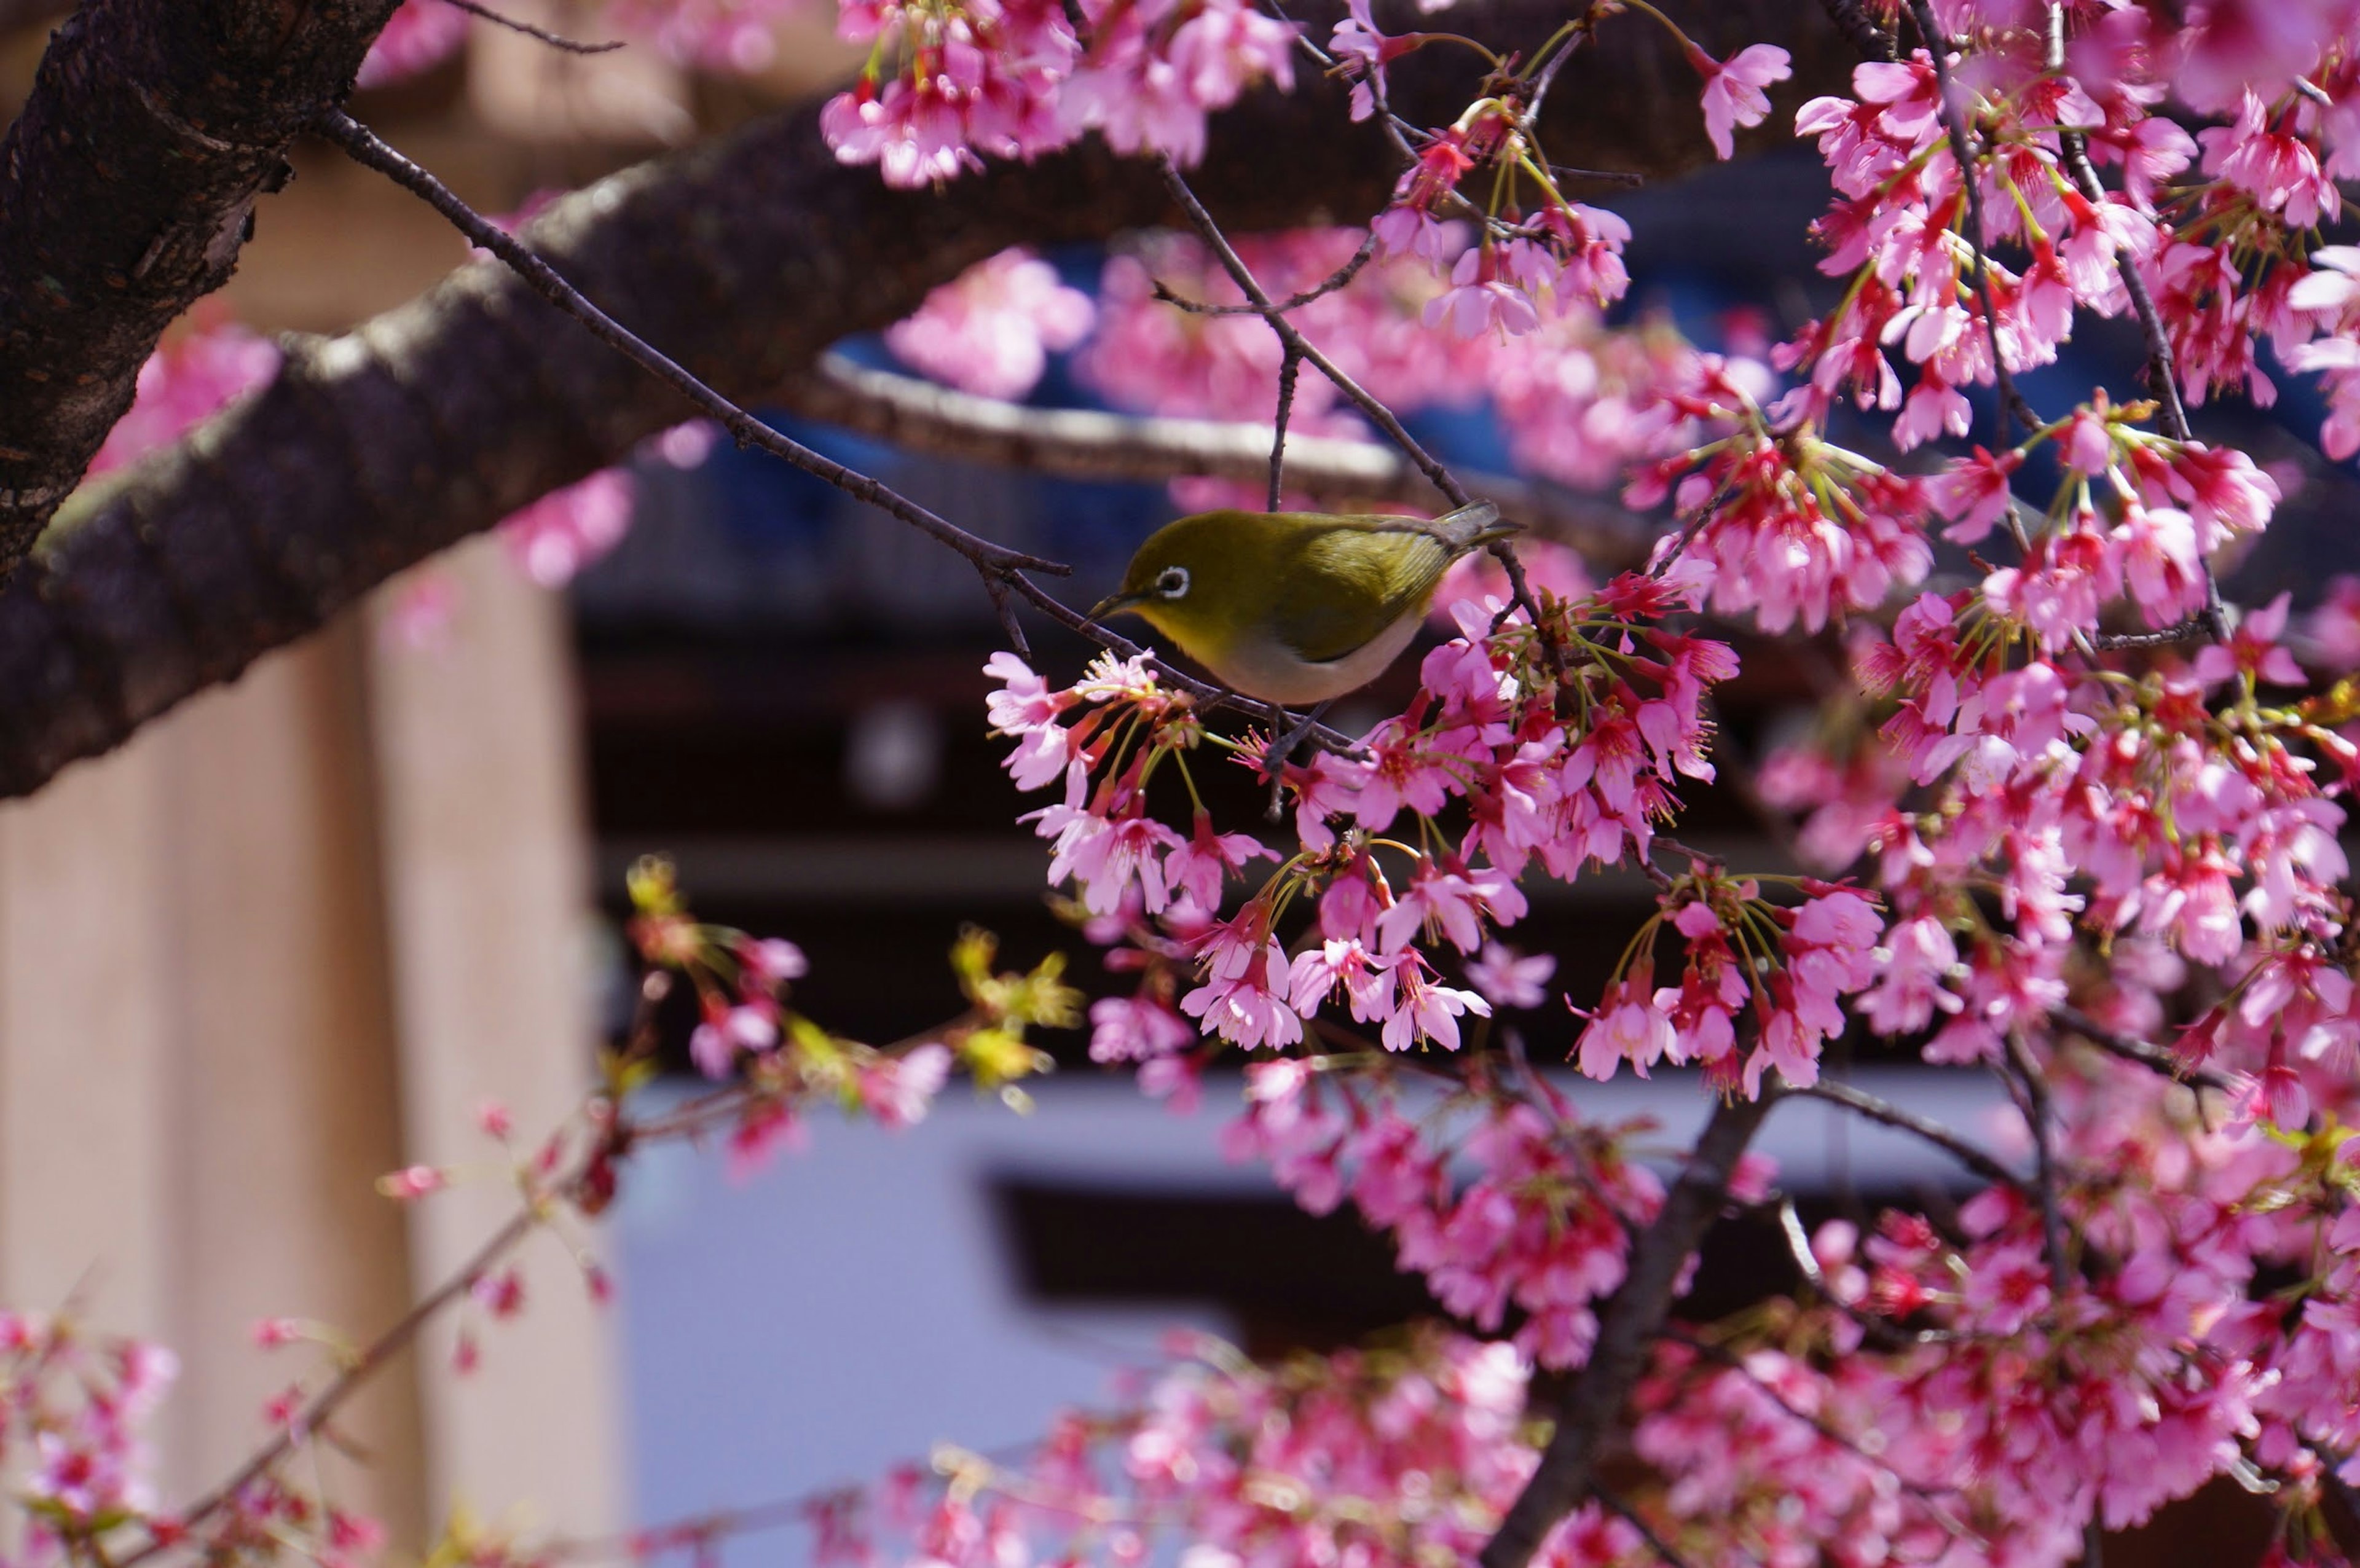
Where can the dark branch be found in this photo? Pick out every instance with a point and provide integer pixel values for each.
(366, 148)
(554, 40)
(1630, 1515)
(1568, 1467)
(2155, 1058)
(2011, 401)
(1862, 1103)
(128, 187)
(745, 257)
(1851, 20)
(1319, 290)
(2162, 373)
(2196, 630)
(2040, 1119)
(1086, 443)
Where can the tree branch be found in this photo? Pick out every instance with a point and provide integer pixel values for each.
(1629, 1321)
(127, 188)
(1084, 443)
(745, 258)
(2155, 1058)
(363, 147)
(1964, 1150)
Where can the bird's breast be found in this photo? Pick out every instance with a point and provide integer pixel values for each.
(1268, 669)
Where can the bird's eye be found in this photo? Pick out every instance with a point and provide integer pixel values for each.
(1173, 582)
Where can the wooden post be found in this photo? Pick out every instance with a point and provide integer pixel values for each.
(488, 901)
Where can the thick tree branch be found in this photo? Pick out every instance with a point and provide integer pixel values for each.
(1628, 1324)
(742, 260)
(126, 189)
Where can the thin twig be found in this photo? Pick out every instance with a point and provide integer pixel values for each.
(1290, 337)
(2156, 1058)
(363, 147)
(1859, 1102)
(1320, 290)
(2041, 1114)
(2196, 628)
(1001, 569)
(2162, 371)
(347, 1381)
(1092, 444)
(2011, 401)
(1603, 176)
(1615, 1505)
(1531, 113)
(554, 40)
(1290, 365)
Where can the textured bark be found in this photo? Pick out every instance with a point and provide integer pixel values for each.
(126, 189)
(743, 259)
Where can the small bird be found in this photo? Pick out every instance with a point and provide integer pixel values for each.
(1296, 608)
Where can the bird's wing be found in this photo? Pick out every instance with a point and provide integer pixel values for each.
(1348, 593)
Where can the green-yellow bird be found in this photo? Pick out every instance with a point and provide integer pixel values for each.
(1295, 607)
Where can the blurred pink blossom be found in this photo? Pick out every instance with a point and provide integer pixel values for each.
(187, 380)
(991, 329)
(420, 36)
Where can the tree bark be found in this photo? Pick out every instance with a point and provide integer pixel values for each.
(743, 259)
(126, 189)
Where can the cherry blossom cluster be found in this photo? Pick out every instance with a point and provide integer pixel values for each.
(1578, 400)
(1562, 745)
(1795, 530)
(781, 1060)
(948, 84)
(1502, 1201)
(991, 329)
(2185, 813)
(2220, 229)
(1790, 966)
(1535, 249)
(72, 1426)
(1400, 1453)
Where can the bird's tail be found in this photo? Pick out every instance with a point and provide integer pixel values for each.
(1474, 526)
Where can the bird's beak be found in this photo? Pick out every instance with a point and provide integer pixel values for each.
(1112, 604)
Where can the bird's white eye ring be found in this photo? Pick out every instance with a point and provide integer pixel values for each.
(1171, 582)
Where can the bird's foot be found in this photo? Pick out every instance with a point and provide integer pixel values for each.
(1281, 747)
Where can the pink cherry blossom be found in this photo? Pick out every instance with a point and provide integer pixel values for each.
(991, 330)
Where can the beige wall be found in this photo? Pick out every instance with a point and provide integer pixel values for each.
(283, 942)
